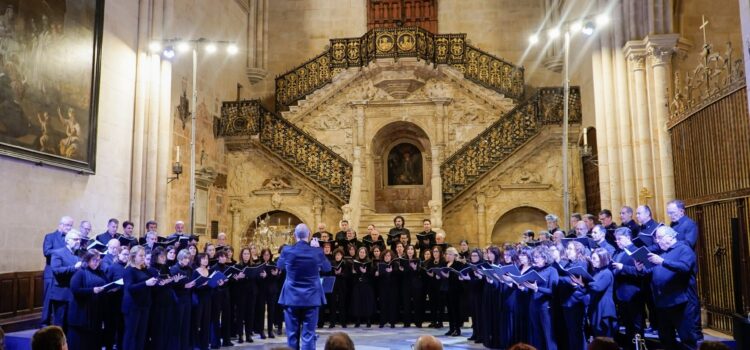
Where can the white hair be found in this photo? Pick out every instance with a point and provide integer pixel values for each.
(301, 231)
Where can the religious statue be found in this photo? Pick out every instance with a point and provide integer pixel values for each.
(276, 183)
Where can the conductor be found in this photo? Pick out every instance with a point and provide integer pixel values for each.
(302, 293)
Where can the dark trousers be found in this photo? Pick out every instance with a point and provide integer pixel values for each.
(455, 316)
(113, 327)
(220, 317)
(136, 323)
(80, 338)
(245, 314)
(574, 321)
(160, 326)
(46, 308)
(201, 318)
(59, 311)
(179, 338)
(694, 311)
(413, 305)
(540, 329)
(437, 305)
(300, 327)
(631, 317)
(676, 318)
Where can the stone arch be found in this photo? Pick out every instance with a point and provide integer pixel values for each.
(512, 223)
(278, 218)
(410, 198)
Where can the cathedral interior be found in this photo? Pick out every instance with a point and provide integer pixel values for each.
(251, 116)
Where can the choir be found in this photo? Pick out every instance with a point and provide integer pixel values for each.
(555, 292)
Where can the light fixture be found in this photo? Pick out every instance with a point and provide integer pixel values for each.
(553, 33)
(154, 46)
(210, 48)
(183, 46)
(602, 20)
(533, 39)
(576, 27)
(232, 49)
(588, 28)
(168, 52)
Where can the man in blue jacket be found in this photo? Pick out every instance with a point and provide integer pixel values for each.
(64, 264)
(52, 241)
(673, 270)
(302, 293)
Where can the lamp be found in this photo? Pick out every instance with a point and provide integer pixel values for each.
(553, 33)
(183, 46)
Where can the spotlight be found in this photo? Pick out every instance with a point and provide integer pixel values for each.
(588, 28)
(154, 46)
(533, 39)
(602, 20)
(232, 49)
(183, 46)
(210, 48)
(553, 33)
(576, 27)
(168, 52)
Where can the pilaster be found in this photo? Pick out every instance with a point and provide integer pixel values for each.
(480, 203)
(636, 54)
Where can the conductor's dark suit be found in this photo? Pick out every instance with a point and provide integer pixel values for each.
(302, 293)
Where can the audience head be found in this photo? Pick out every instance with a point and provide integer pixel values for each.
(522, 346)
(339, 341)
(603, 343)
(428, 342)
(713, 345)
(49, 338)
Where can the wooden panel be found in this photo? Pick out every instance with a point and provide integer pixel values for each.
(711, 156)
(20, 293)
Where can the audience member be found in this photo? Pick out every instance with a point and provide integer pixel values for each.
(522, 346)
(49, 338)
(428, 342)
(339, 341)
(603, 343)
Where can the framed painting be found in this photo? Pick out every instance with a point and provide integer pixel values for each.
(50, 52)
(404, 165)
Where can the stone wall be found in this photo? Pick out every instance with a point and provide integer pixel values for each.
(34, 197)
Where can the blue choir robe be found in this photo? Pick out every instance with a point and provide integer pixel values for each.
(63, 268)
(87, 309)
(602, 314)
(687, 231)
(541, 330)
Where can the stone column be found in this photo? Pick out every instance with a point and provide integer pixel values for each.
(483, 235)
(257, 39)
(436, 183)
(623, 119)
(660, 48)
(318, 210)
(360, 166)
(601, 146)
(611, 115)
(441, 104)
(236, 232)
(636, 53)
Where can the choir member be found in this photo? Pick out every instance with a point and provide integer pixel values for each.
(553, 224)
(412, 288)
(210, 250)
(88, 304)
(394, 235)
(114, 322)
(670, 283)
(201, 312)
(575, 218)
(386, 276)
(539, 310)
(436, 298)
(490, 312)
(648, 227)
(626, 220)
(268, 295)
(136, 300)
(171, 256)
(179, 337)
(192, 248)
(453, 287)
(426, 238)
(601, 312)
(52, 241)
(598, 235)
(363, 295)
(220, 306)
(572, 299)
(605, 219)
(341, 235)
(111, 232)
(113, 249)
(628, 295)
(473, 293)
(64, 264)
(374, 238)
(163, 300)
(511, 332)
(687, 231)
(247, 293)
(463, 251)
(321, 229)
(337, 304)
(523, 296)
(279, 310)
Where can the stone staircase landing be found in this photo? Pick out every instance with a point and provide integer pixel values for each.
(384, 222)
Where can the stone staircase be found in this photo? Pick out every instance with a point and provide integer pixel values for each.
(384, 222)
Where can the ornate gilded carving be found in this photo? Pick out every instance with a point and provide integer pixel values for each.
(305, 153)
(499, 140)
(716, 75)
(451, 49)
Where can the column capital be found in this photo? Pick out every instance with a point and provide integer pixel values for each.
(635, 52)
(661, 47)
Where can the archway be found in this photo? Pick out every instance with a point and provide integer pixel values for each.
(517, 220)
(402, 168)
(271, 230)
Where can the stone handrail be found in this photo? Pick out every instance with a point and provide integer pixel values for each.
(451, 49)
(310, 157)
(502, 138)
